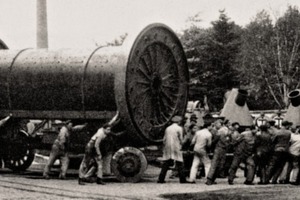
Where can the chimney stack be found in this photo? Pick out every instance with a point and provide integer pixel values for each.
(42, 30)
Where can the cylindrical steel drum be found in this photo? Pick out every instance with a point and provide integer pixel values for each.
(148, 83)
(56, 84)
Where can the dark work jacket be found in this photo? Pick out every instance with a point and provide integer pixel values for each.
(244, 145)
(222, 142)
(281, 140)
(214, 140)
(263, 144)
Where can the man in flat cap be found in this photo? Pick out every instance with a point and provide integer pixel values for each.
(261, 120)
(278, 119)
(92, 162)
(60, 149)
(172, 150)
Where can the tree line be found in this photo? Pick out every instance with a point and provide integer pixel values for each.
(262, 57)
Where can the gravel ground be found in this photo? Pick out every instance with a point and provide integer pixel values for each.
(30, 185)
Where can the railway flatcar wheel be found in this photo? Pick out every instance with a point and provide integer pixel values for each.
(19, 156)
(129, 164)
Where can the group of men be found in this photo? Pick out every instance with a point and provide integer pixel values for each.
(92, 162)
(268, 151)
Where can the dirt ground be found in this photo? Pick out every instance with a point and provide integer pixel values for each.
(252, 192)
(30, 185)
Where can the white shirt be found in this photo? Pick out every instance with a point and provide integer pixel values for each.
(98, 137)
(295, 144)
(202, 139)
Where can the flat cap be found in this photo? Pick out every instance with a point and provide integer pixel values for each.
(176, 119)
(286, 123)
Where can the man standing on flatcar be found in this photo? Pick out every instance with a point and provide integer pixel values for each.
(261, 120)
(278, 119)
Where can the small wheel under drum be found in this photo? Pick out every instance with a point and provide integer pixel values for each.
(129, 164)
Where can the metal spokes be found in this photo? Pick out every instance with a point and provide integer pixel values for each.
(157, 84)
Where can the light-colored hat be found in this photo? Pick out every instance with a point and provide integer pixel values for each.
(176, 119)
(67, 121)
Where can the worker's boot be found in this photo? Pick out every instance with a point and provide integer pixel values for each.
(100, 182)
(46, 176)
(62, 177)
(80, 181)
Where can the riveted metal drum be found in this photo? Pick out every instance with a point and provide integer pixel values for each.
(148, 83)
(57, 84)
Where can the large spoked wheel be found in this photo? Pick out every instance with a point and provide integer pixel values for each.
(156, 83)
(129, 164)
(19, 154)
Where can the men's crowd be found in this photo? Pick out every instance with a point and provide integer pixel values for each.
(92, 162)
(269, 152)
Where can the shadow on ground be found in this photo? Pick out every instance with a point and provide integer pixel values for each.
(280, 192)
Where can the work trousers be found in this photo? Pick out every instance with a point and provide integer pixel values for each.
(295, 169)
(62, 155)
(262, 160)
(222, 173)
(217, 163)
(87, 166)
(250, 167)
(291, 169)
(199, 157)
(276, 164)
(165, 168)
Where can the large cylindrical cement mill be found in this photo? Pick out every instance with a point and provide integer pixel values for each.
(147, 84)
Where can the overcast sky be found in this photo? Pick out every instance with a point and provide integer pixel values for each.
(82, 23)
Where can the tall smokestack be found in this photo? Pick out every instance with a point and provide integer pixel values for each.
(42, 30)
